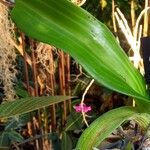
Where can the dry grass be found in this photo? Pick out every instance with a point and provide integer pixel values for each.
(7, 54)
(43, 56)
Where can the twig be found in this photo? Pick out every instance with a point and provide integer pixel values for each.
(79, 75)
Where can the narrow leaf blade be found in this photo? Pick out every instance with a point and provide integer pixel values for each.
(29, 104)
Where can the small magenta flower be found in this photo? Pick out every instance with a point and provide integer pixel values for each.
(78, 108)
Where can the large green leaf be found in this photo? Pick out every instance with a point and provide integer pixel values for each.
(78, 33)
(103, 127)
(29, 104)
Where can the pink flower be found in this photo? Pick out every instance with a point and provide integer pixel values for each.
(78, 108)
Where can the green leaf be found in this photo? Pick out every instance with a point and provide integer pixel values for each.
(17, 121)
(4, 139)
(21, 92)
(87, 40)
(129, 146)
(15, 137)
(103, 127)
(74, 121)
(12, 123)
(7, 137)
(56, 142)
(143, 107)
(29, 104)
(142, 119)
(66, 142)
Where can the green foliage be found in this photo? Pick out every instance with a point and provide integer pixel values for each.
(17, 121)
(29, 104)
(15, 137)
(107, 123)
(104, 126)
(18, 108)
(142, 119)
(78, 33)
(21, 92)
(56, 143)
(66, 142)
(8, 137)
(74, 121)
(88, 41)
(129, 146)
(4, 139)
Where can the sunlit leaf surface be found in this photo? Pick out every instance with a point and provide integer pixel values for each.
(66, 26)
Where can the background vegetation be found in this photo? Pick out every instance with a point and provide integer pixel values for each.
(30, 68)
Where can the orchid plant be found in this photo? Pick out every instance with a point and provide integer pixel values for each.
(88, 41)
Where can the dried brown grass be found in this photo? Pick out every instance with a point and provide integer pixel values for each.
(7, 54)
(43, 56)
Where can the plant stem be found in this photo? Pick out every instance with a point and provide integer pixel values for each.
(25, 63)
(52, 85)
(67, 58)
(113, 16)
(62, 83)
(133, 14)
(145, 28)
(34, 69)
